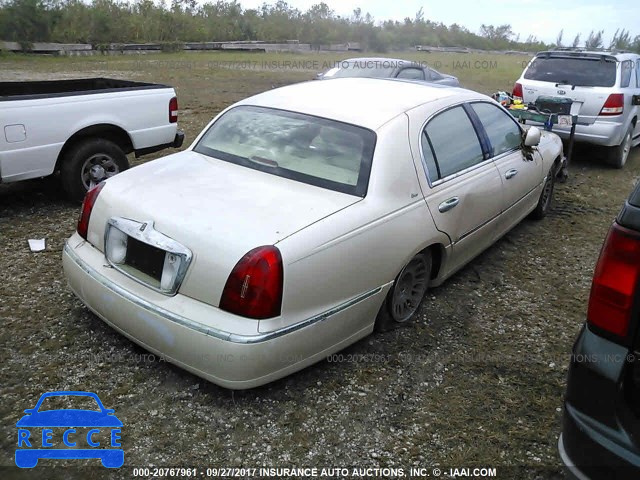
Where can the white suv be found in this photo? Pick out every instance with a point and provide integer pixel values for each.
(605, 85)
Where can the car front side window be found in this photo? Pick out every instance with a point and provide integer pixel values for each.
(453, 142)
(502, 130)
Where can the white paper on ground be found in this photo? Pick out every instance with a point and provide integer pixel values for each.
(37, 244)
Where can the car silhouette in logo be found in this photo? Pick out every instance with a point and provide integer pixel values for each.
(31, 448)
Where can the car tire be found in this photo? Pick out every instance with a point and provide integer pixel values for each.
(88, 163)
(406, 295)
(619, 154)
(546, 196)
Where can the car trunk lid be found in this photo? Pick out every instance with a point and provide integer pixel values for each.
(218, 210)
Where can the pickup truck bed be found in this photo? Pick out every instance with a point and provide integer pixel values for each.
(59, 88)
(82, 128)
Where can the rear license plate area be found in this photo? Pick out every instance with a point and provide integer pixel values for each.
(145, 258)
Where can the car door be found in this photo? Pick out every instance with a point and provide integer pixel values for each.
(461, 186)
(520, 176)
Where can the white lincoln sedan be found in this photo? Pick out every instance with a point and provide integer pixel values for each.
(303, 218)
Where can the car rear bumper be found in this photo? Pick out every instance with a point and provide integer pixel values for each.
(573, 472)
(591, 450)
(595, 443)
(221, 347)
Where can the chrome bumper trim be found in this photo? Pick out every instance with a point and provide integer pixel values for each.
(199, 327)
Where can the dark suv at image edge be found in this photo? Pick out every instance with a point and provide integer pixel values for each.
(601, 426)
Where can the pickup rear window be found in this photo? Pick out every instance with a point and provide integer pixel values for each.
(585, 72)
(321, 152)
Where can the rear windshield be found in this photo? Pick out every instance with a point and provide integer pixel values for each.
(586, 72)
(308, 149)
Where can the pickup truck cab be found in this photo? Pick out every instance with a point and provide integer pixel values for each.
(604, 87)
(82, 128)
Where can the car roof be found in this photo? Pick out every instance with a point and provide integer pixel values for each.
(367, 102)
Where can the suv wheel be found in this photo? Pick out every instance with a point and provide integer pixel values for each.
(618, 155)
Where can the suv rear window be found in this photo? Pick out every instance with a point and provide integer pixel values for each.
(586, 72)
(321, 152)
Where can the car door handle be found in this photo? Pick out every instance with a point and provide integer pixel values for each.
(511, 173)
(448, 204)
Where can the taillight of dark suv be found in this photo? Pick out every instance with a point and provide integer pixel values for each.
(601, 426)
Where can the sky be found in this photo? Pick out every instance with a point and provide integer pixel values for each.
(542, 18)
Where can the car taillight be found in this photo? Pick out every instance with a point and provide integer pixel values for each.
(254, 287)
(87, 207)
(614, 281)
(173, 110)
(517, 91)
(614, 105)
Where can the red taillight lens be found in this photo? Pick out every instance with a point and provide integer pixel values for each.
(614, 105)
(87, 206)
(173, 110)
(614, 281)
(254, 287)
(517, 91)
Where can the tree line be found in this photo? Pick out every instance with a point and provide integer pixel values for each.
(101, 22)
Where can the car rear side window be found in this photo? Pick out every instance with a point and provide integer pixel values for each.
(434, 75)
(313, 150)
(503, 131)
(428, 159)
(411, 74)
(454, 142)
(587, 72)
(625, 74)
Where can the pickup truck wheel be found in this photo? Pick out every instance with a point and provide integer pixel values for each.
(406, 295)
(88, 163)
(618, 155)
(546, 196)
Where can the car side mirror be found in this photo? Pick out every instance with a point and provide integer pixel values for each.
(109, 411)
(635, 100)
(533, 137)
(30, 411)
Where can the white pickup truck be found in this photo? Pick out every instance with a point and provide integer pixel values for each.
(83, 128)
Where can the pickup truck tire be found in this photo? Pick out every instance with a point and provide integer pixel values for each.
(88, 163)
(618, 155)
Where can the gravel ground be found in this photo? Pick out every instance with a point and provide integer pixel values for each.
(477, 381)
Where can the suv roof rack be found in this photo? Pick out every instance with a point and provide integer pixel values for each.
(568, 49)
(585, 49)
